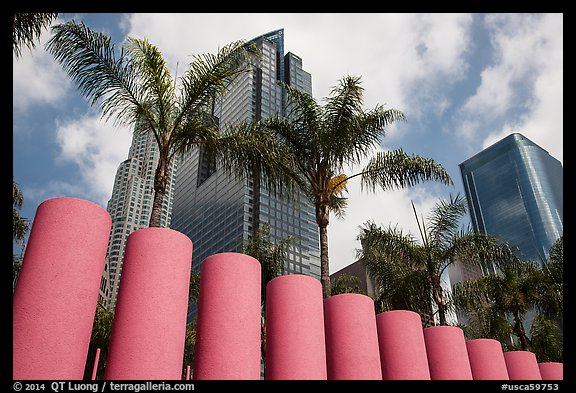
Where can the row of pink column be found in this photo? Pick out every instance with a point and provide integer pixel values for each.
(340, 337)
(57, 292)
(307, 337)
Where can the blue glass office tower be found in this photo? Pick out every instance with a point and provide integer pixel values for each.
(217, 211)
(514, 191)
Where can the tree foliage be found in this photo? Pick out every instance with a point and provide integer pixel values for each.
(346, 283)
(20, 225)
(134, 87)
(99, 338)
(313, 144)
(408, 272)
(27, 27)
(499, 305)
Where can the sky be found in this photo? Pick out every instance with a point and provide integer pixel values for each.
(463, 81)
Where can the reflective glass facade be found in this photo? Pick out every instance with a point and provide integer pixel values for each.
(218, 211)
(515, 191)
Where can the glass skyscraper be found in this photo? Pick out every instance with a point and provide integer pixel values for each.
(514, 191)
(218, 211)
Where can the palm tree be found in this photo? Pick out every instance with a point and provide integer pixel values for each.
(20, 226)
(27, 27)
(136, 88)
(393, 260)
(507, 295)
(510, 295)
(409, 273)
(551, 302)
(546, 340)
(313, 144)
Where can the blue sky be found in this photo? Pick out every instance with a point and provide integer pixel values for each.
(464, 81)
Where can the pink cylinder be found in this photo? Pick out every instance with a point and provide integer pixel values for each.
(57, 290)
(295, 339)
(402, 346)
(522, 365)
(148, 332)
(229, 318)
(95, 367)
(551, 370)
(486, 359)
(351, 337)
(447, 354)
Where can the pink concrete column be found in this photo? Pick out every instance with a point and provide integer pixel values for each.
(522, 365)
(351, 337)
(147, 340)
(95, 367)
(229, 318)
(295, 339)
(486, 359)
(402, 346)
(447, 354)
(57, 290)
(551, 370)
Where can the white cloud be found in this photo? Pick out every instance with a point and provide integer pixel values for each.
(389, 51)
(523, 90)
(406, 62)
(55, 189)
(37, 78)
(96, 148)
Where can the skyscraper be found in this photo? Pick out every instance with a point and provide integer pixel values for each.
(218, 211)
(514, 191)
(130, 206)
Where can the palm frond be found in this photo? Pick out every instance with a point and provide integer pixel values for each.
(395, 169)
(209, 76)
(444, 220)
(350, 134)
(337, 205)
(341, 112)
(247, 149)
(546, 340)
(17, 196)
(91, 60)
(391, 241)
(155, 82)
(27, 27)
(303, 128)
(483, 250)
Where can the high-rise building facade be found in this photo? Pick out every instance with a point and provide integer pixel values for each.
(130, 206)
(515, 191)
(218, 211)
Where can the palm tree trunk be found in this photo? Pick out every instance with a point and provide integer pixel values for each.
(156, 214)
(160, 182)
(324, 264)
(438, 297)
(520, 332)
(322, 221)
